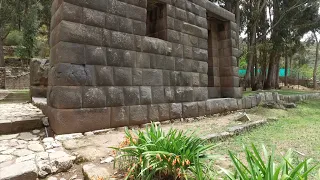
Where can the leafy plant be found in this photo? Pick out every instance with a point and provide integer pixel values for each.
(14, 38)
(258, 169)
(154, 154)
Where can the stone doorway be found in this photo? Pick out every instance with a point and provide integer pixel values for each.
(223, 76)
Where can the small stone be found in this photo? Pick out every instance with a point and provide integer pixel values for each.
(48, 139)
(48, 146)
(62, 179)
(243, 118)
(35, 139)
(45, 121)
(289, 105)
(22, 152)
(4, 158)
(25, 158)
(36, 131)
(44, 168)
(102, 131)
(89, 134)
(52, 178)
(60, 161)
(22, 142)
(24, 170)
(68, 136)
(13, 143)
(8, 151)
(42, 156)
(27, 136)
(7, 137)
(34, 142)
(3, 148)
(36, 147)
(107, 160)
(92, 172)
(73, 177)
(21, 146)
(56, 144)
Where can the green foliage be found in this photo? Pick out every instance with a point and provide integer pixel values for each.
(155, 154)
(30, 30)
(264, 167)
(14, 38)
(42, 48)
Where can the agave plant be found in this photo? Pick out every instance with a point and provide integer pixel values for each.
(155, 154)
(256, 168)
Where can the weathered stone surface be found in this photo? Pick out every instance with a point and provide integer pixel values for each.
(175, 110)
(138, 114)
(19, 171)
(113, 64)
(67, 97)
(131, 96)
(93, 97)
(289, 105)
(92, 172)
(36, 147)
(60, 161)
(22, 152)
(4, 158)
(8, 137)
(120, 116)
(64, 121)
(67, 137)
(243, 118)
(190, 109)
(39, 77)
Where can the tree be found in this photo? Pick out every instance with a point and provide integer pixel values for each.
(315, 70)
(7, 23)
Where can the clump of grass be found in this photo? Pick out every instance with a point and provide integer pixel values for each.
(255, 168)
(154, 154)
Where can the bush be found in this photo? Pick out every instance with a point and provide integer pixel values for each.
(154, 154)
(255, 168)
(14, 38)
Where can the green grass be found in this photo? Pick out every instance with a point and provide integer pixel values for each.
(297, 129)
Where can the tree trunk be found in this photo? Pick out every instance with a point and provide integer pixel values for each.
(251, 51)
(286, 69)
(316, 67)
(238, 21)
(270, 73)
(276, 81)
(264, 67)
(2, 66)
(1, 54)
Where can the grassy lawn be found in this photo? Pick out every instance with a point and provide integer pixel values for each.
(297, 129)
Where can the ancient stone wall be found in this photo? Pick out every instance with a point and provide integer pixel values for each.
(18, 82)
(107, 72)
(39, 77)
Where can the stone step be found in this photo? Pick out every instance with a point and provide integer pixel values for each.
(16, 96)
(19, 117)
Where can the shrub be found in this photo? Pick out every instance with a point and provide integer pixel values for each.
(154, 154)
(14, 38)
(256, 168)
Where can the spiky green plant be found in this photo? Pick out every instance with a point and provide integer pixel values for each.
(264, 167)
(155, 154)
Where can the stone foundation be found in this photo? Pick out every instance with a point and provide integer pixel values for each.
(116, 63)
(39, 77)
(18, 82)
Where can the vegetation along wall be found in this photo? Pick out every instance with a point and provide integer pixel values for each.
(117, 62)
